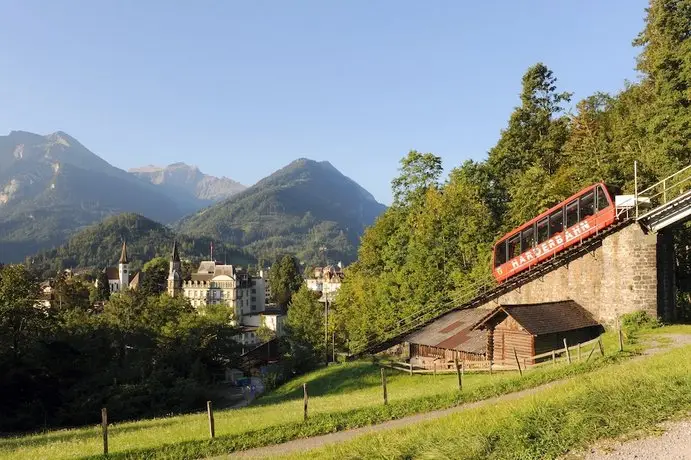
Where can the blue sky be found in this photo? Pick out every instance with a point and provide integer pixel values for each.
(243, 88)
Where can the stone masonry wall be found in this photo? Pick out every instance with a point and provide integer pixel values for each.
(618, 277)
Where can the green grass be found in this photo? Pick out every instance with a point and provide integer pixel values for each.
(609, 402)
(341, 397)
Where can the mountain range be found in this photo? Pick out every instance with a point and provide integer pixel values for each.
(51, 187)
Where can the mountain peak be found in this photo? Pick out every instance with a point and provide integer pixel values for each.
(181, 178)
(302, 207)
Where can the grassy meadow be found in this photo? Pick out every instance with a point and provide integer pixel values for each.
(610, 402)
(341, 397)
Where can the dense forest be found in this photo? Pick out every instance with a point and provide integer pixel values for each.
(433, 244)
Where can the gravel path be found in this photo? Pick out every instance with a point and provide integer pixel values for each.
(298, 445)
(673, 444)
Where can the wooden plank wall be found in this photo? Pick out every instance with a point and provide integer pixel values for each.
(509, 335)
(444, 354)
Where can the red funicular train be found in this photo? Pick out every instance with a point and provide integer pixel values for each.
(568, 223)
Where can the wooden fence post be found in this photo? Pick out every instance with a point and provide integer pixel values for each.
(568, 353)
(554, 357)
(210, 412)
(579, 352)
(515, 355)
(602, 347)
(463, 368)
(435, 368)
(490, 367)
(458, 373)
(104, 428)
(304, 392)
(383, 385)
(410, 367)
(621, 335)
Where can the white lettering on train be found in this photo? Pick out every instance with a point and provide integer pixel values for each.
(553, 243)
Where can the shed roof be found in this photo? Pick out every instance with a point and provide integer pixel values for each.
(452, 331)
(542, 318)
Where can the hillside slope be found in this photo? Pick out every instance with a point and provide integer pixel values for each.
(52, 185)
(99, 245)
(307, 208)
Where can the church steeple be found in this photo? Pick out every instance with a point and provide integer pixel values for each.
(123, 268)
(123, 254)
(176, 256)
(174, 275)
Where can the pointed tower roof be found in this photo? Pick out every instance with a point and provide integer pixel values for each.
(176, 256)
(123, 254)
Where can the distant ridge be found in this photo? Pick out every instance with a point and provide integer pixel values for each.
(182, 179)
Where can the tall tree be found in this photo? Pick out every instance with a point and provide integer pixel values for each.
(284, 280)
(418, 172)
(22, 319)
(155, 274)
(305, 321)
(666, 63)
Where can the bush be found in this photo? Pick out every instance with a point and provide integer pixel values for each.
(633, 322)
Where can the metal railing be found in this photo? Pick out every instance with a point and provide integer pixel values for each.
(664, 191)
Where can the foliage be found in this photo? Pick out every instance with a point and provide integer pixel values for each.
(308, 209)
(142, 356)
(433, 247)
(102, 288)
(634, 322)
(284, 280)
(305, 321)
(155, 277)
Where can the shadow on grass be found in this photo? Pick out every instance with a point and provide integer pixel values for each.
(337, 379)
(325, 423)
(82, 434)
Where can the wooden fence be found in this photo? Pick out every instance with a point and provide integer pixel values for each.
(580, 352)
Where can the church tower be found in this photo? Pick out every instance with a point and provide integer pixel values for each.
(174, 273)
(124, 268)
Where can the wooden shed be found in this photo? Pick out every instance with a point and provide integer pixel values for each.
(448, 338)
(533, 329)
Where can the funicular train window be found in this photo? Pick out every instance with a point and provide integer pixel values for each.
(556, 223)
(542, 230)
(500, 254)
(527, 238)
(587, 204)
(514, 247)
(602, 202)
(572, 214)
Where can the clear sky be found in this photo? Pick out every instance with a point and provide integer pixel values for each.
(243, 88)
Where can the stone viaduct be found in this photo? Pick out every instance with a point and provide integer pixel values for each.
(628, 271)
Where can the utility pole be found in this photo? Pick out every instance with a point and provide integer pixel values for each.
(326, 328)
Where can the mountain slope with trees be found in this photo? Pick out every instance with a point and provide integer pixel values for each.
(435, 242)
(307, 208)
(99, 246)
